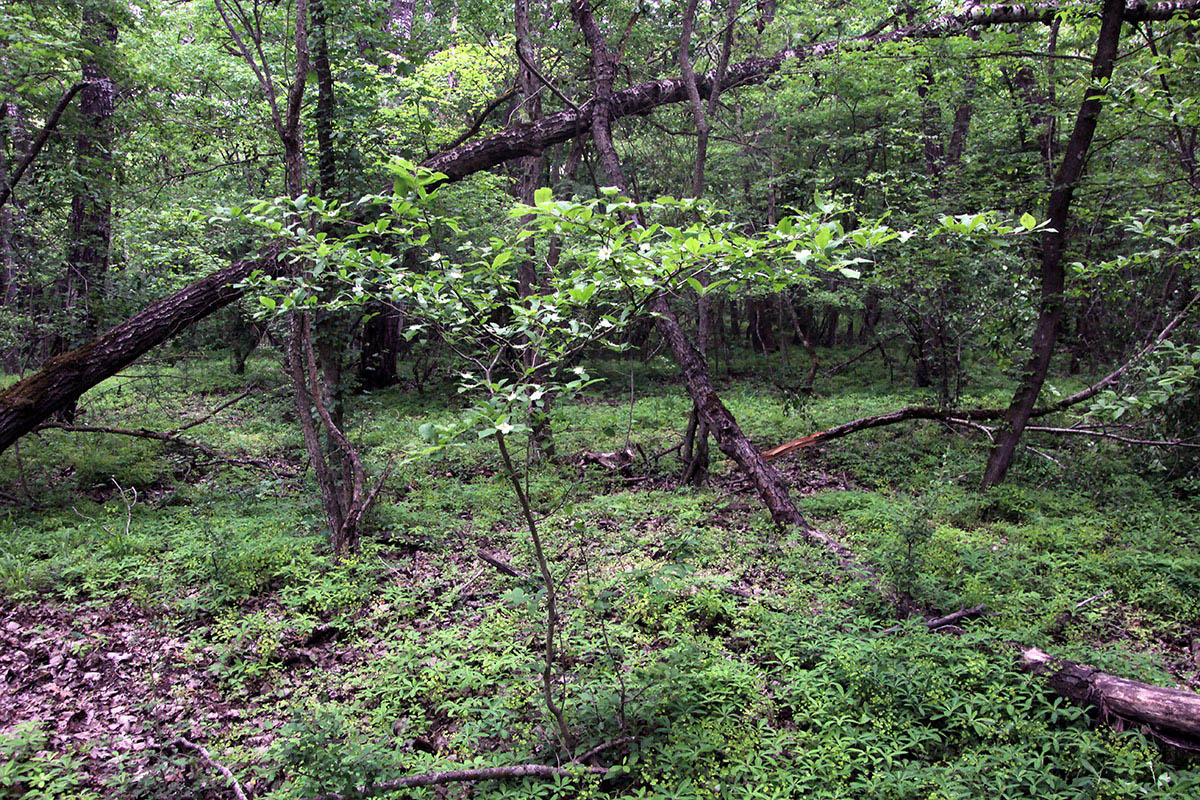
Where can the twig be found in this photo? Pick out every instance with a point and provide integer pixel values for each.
(542, 78)
(207, 758)
(942, 622)
(215, 411)
(500, 565)
(1043, 454)
(478, 123)
(461, 776)
(1083, 603)
(879, 343)
(458, 592)
(600, 748)
(1083, 432)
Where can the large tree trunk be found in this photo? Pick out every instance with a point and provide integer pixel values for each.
(1054, 243)
(91, 206)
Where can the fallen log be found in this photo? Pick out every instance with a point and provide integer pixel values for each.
(1172, 715)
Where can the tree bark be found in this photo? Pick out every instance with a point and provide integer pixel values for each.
(326, 152)
(1054, 243)
(64, 378)
(90, 218)
(1171, 714)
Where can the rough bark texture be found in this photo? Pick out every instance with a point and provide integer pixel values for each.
(1171, 714)
(326, 153)
(1054, 243)
(64, 378)
(90, 218)
(400, 19)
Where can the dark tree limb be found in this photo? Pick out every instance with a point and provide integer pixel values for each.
(949, 619)
(507, 569)
(29, 402)
(39, 142)
(974, 415)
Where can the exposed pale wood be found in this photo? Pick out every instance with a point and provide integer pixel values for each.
(1173, 714)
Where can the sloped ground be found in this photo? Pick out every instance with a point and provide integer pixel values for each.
(740, 660)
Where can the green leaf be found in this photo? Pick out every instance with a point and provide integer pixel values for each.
(1028, 221)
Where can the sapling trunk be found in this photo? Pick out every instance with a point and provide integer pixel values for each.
(539, 552)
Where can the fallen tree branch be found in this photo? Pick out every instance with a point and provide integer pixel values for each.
(172, 438)
(207, 758)
(1172, 715)
(876, 345)
(600, 748)
(249, 390)
(463, 776)
(949, 619)
(500, 565)
(972, 416)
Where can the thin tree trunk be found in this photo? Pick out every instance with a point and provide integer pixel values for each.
(721, 423)
(529, 279)
(1054, 242)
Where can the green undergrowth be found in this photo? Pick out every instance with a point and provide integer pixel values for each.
(742, 661)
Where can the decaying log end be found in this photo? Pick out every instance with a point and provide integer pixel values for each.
(1171, 715)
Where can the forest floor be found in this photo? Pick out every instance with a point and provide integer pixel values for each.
(149, 592)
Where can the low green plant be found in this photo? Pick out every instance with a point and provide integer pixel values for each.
(31, 770)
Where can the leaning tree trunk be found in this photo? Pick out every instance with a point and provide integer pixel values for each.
(1054, 243)
(768, 483)
(64, 378)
